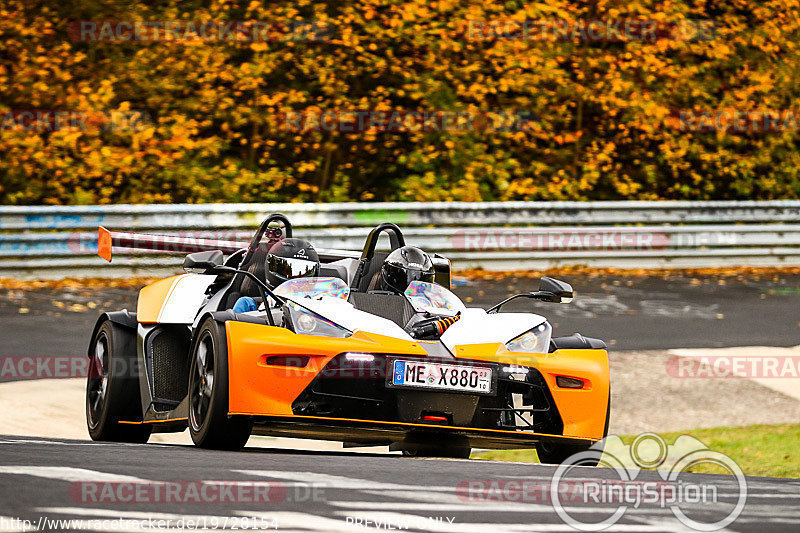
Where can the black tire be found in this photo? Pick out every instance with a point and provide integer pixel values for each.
(112, 387)
(451, 452)
(209, 423)
(555, 454)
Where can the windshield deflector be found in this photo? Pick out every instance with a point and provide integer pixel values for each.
(430, 298)
(314, 288)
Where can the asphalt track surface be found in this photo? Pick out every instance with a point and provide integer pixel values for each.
(45, 480)
(339, 491)
(628, 313)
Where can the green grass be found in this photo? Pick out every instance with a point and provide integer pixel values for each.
(772, 451)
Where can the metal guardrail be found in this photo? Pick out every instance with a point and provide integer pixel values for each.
(56, 241)
(185, 216)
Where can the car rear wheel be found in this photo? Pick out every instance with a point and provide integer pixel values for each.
(209, 423)
(112, 387)
(555, 454)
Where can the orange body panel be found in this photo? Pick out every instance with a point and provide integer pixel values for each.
(583, 411)
(152, 298)
(260, 389)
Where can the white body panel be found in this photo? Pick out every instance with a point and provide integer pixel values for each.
(186, 296)
(475, 327)
(479, 327)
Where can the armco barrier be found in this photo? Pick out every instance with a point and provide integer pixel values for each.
(56, 241)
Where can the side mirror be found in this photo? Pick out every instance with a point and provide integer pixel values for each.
(554, 290)
(202, 262)
(550, 290)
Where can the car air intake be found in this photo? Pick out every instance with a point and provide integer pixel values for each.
(168, 362)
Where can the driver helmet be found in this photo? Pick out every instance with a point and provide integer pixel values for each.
(289, 259)
(405, 265)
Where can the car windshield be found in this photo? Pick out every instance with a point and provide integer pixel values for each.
(315, 288)
(432, 298)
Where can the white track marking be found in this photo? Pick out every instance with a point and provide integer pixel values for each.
(442, 502)
(30, 441)
(338, 482)
(476, 507)
(421, 496)
(457, 502)
(68, 473)
(54, 442)
(751, 496)
(134, 515)
(58, 443)
(479, 507)
(772, 520)
(661, 524)
(758, 513)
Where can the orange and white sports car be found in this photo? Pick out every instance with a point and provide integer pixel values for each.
(329, 359)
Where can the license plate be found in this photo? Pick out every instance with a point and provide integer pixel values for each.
(440, 376)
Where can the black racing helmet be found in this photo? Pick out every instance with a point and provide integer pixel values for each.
(289, 259)
(405, 265)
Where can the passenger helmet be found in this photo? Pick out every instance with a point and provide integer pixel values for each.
(405, 265)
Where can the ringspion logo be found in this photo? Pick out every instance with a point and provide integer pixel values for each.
(697, 504)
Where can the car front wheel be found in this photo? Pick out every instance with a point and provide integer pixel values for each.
(209, 422)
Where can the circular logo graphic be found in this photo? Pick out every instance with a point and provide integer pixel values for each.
(647, 451)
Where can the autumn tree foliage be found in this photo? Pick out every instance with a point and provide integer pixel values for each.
(205, 120)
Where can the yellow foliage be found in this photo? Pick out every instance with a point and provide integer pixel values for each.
(551, 118)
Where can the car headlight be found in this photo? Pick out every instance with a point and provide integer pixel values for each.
(536, 340)
(309, 323)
